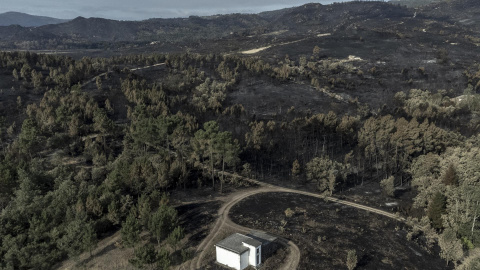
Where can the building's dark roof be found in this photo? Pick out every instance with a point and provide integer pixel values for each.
(252, 242)
(263, 237)
(235, 242)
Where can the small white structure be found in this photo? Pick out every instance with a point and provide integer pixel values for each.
(239, 251)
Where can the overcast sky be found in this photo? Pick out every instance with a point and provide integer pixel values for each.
(145, 9)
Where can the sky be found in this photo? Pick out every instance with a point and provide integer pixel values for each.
(145, 9)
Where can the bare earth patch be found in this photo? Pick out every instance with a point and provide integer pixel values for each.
(253, 51)
(195, 218)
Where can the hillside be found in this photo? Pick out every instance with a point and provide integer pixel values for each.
(348, 18)
(299, 20)
(124, 144)
(463, 12)
(26, 20)
(414, 3)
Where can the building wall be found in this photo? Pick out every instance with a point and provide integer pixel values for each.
(259, 253)
(244, 260)
(253, 253)
(269, 248)
(229, 258)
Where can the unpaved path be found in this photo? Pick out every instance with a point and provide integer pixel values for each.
(253, 51)
(224, 221)
(92, 80)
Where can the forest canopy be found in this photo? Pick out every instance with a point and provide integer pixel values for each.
(89, 146)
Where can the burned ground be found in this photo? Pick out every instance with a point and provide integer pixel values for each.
(266, 99)
(325, 231)
(191, 215)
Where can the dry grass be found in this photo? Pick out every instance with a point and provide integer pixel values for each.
(222, 235)
(107, 255)
(110, 254)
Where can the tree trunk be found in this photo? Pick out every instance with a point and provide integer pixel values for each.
(323, 146)
(363, 174)
(467, 212)
(271, 166)
(168, 151)
(211, 169)
(261, 170)
(223, 175)
(473, 222)
(456, 207)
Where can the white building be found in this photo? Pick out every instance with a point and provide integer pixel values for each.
(239, 251)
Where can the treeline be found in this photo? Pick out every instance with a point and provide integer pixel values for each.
(69, 145)
(40, 71)
(448, 191)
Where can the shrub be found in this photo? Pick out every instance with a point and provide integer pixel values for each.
(144, 255)
(388, 186)
(289, 213)
(352, 259)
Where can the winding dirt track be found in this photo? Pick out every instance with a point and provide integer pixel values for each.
(224, 221)
(92, 80)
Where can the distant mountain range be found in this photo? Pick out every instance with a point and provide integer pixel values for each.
(26, 20)
(297, 20)
(460, 17)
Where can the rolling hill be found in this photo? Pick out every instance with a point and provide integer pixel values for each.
(293, 22)
(26, 20)
(371, 102)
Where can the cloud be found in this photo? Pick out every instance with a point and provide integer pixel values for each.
(144, 9)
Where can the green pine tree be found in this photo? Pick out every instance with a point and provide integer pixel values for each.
(131, 229)
(436, 209)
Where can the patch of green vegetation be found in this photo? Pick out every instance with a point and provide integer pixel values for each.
(415, 3)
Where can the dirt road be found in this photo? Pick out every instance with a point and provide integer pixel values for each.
(92, 80)
(224, 222)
